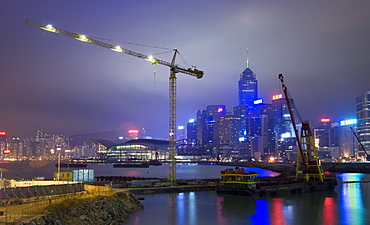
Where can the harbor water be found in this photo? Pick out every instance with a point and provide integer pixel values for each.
(348, 203)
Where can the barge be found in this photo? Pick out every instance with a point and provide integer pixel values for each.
(237, 181)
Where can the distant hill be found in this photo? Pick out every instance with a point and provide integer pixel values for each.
(79, 139)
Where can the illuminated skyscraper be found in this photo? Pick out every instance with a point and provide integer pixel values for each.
(191, 131)
(283, 128)
(247, 87)
(323, 133)
(201, 125)
(363, 119)
(133, 134)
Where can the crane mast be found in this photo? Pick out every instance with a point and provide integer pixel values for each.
(308, 162)
(172, 79)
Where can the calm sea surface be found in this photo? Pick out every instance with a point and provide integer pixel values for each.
(349, 203)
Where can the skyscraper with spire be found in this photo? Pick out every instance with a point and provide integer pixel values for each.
(247, 87)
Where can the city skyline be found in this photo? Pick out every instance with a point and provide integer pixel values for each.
(63, 86)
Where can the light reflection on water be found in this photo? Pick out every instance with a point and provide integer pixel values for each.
(348, 204)
(351, 200)
(345, 205)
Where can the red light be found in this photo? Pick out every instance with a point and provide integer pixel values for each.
(2, 133)
(133, 131)
(6, 151)
(325, 120)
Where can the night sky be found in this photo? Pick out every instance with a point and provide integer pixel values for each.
(61, 85)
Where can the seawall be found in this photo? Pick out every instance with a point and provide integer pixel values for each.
(113, 209)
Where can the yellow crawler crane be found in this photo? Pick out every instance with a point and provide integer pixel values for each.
(308, 161)
(172, 79)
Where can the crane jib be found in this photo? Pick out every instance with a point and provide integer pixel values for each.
(83, 38)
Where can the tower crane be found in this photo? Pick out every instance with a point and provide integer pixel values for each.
(172, 79)
(308, 162)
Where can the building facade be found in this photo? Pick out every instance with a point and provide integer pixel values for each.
(363, 120)
(248, 91)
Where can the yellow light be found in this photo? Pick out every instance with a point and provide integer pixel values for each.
(152, 60)
(83, 38)
(117, 49)
(50, 28)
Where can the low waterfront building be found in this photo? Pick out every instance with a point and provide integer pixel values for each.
(138, 149)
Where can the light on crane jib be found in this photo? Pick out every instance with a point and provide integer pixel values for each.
(151, 59)
(50, 28)
(117, 48)
(83, 38)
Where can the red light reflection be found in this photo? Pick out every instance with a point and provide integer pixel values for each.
(328, 214)
(277, 214)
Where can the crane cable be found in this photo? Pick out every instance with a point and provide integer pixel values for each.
(131, 43)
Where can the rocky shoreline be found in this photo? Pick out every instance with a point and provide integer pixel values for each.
(113, 209)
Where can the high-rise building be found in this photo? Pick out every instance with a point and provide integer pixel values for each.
(343, 138)
(248, 92)
(283, 128)
(201, 125)
(322, 133)
(261, 130)
(363, 119)
(224, 129)
(241, 112)
(133, 134)
(180, 133)
(214, 112)
(191, 130)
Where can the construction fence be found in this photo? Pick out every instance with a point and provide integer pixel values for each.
(39, 190)
(23, 207)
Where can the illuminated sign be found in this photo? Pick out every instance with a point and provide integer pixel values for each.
(336, 124)
(276, 97)
(348, 122)
(258, 101)
(191, 120)
(286, 135)
(325, 120)
(133, 131)
(180, 127)
(2, 133)
(67, 150)
(6, 151)
(220, 110)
